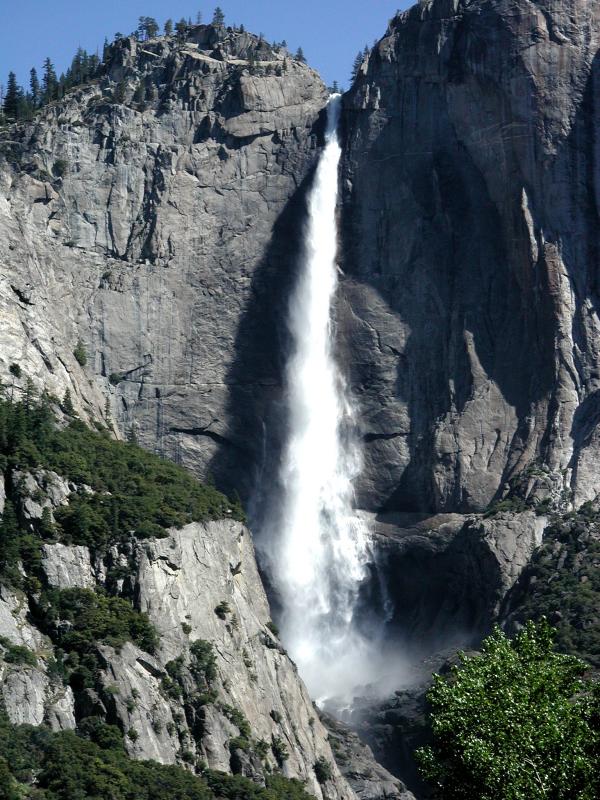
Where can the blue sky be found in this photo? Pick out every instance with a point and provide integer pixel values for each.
(329, 31)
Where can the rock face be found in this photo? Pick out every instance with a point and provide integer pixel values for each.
(200, 588)
(27, 691)
(151, 217)
(469, 314)
(368, 778)
(448, 575)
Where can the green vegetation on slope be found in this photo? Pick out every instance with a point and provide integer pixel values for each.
(88, 619)
(562, 583)
(517, 722)
(36, 763)
(122, 490)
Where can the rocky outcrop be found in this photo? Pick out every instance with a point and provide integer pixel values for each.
(68, 566)
(447, 575)
(149, 217)
(469, 319)
(369, 779)
(28, 692)
(201, 584)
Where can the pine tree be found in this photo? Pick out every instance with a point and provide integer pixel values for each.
(169, 27)
(357, 65)
(49, 82)
(34, 88)
(12, 97)
(335, 88)
(218, 16)
(181, 27)
(199, 18)
(300, 55)
(151, 27)
(67, 404)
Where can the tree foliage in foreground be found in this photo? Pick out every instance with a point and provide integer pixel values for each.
(516, 722)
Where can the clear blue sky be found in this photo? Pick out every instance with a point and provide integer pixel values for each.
(329, 31)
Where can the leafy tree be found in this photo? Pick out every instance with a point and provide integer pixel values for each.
(13, 97)
(516, 722)
(218, 16)
(300, 55)
(169, 27)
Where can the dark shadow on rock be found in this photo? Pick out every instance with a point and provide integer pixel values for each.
(247, 463)
(451, 264)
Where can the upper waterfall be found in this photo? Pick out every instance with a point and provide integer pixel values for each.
(319, 555)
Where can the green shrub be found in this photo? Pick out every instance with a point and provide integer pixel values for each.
(239, 743)
(16, 653)
(279, 749)
(59, 168)
(80, 353)
(223, 609)
(273, 628)
(237, 717)
(323, 771)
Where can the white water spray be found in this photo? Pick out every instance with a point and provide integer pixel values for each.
(320, 553)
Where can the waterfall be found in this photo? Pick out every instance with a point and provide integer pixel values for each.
(319, 554)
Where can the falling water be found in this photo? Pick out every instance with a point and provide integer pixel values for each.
(320, 552)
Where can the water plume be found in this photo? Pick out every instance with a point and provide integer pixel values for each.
(320, 553)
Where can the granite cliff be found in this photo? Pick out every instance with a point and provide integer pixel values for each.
(153, 220)
(471, 236)
(146, 215)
